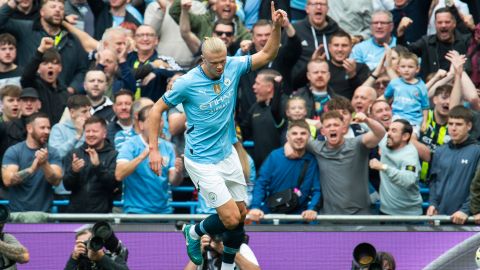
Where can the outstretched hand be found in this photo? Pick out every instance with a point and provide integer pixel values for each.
(457, 60)
(278, 16)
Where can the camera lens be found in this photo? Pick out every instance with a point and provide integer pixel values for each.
(96, 243)
(4, 214)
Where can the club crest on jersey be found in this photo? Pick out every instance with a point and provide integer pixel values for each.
(227, 82)
(217, 89)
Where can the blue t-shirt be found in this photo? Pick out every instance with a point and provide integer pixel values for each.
(34, 193)
(144, 191)
(122, 136)
(369, 52)
(409, 100)
(208, 106)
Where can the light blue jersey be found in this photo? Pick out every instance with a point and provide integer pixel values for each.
(144, 191)
(409, 100)
(209, 106)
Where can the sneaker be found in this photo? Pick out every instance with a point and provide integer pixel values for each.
(193, 246)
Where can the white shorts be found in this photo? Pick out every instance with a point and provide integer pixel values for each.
(218, 183)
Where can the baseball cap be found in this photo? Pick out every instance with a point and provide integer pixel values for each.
(29, 92)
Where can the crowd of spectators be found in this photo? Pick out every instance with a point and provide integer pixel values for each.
(367, 102)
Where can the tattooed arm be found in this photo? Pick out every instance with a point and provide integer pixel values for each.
(12, 176)
(12, 249)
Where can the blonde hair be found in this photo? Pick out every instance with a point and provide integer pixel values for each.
(213, 45)
(109, 33)
(296, 98)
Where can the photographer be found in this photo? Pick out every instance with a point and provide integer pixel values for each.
(11, 250)
(85, 258)
(212, 249)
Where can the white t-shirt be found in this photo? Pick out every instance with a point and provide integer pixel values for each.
(245, 251)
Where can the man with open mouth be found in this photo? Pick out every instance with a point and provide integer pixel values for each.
(343, 164)
(433, 48)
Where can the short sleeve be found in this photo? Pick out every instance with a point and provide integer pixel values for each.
(125, 152)
(389, 91)
(424, 95)
(10, 157)
(242, 64)
(356, 55)
(54, 157)
(178, 93)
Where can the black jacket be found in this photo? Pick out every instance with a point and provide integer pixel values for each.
(343, 86)
(54, 100)
(11, 132)
(283, 63)
(263, 125)
(30, 33)
(104, 19)
(428, 49)
(303, 30)
(92, 188)
(106, 263)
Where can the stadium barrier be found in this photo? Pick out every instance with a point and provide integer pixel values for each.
(273, 218)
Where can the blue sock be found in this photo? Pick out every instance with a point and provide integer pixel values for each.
(211, 225)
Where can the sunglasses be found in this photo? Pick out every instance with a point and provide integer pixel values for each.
(221, 33)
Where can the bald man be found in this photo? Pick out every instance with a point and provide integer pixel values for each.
(363, 97)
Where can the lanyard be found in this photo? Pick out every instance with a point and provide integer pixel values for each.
(58, 38)
(324, 40)
(136, 64)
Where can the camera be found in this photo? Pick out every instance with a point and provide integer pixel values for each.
(365, 258)
(103, 236)
(4, 214)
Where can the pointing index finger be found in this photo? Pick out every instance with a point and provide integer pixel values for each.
(272, 7)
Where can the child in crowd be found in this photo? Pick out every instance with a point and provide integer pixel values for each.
(296, 109)
(409, 93)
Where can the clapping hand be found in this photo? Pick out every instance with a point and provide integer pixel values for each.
(93, 156)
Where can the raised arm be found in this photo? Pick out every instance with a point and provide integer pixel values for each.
(268, 53)
(457, 63)
(469, 91)
(376, 133)
(192, 41)
(441, 77)
(88, 43)
(155, 13)
(370, 81)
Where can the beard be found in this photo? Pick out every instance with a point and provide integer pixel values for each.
(50, 21)
(39, 139)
